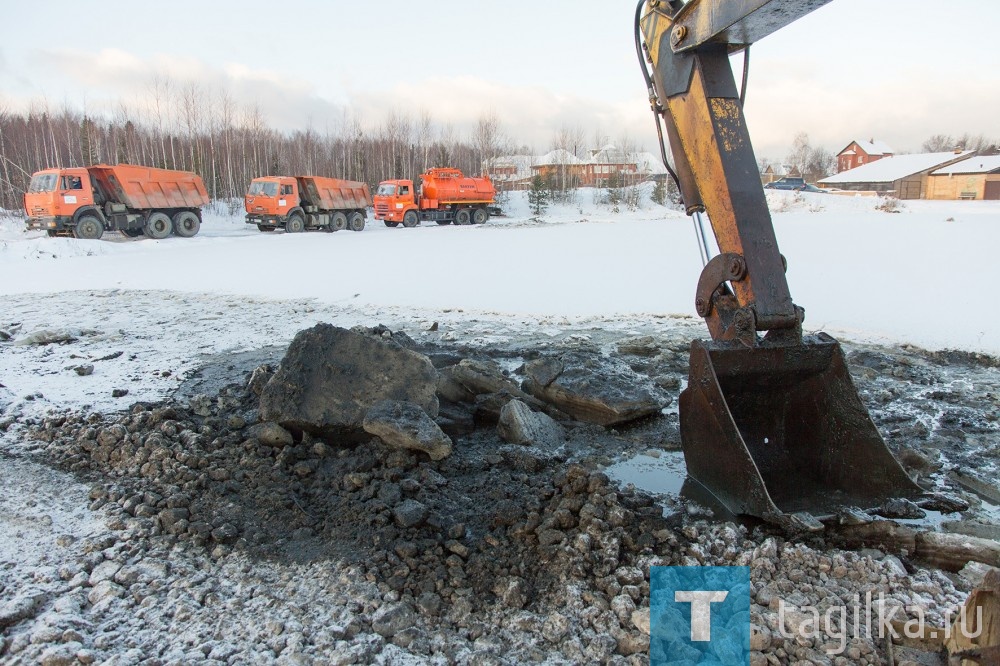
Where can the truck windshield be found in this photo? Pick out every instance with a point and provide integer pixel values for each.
(43, 182)
(265, 188)
(386, 190)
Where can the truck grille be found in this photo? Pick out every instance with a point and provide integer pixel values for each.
(39, 211)
(381, 209)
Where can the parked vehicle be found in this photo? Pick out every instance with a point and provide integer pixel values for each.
(298, 203)
(786, 183)
(445, 196)
(809, 187)
(87, 201)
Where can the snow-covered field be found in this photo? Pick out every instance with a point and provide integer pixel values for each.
(914, 276)
(862, 274)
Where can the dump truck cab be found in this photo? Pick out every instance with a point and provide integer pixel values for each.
(56, 198)
(393, 199)
(270, 199)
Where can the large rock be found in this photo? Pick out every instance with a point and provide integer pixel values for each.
(407, 426)
(596, 391)
(518, 424)
(330, 378)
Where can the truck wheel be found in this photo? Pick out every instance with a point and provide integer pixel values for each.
(391, 224)
(186, 224)
(264, 227)
(89, 227)
(158, 226)
(463, 216)
(339, 222)
(411, 219)
(295, 224)
(356, 222)
(480, 215)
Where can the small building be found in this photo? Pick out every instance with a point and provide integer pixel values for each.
(977, 177)
(860, 153)
(567, 171)
(902, 176)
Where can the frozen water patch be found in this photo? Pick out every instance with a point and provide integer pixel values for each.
(662, 473)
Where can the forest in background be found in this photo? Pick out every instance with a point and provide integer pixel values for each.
(229, 144)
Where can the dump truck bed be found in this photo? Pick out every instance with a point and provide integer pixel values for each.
(335, 193)
(141, 187)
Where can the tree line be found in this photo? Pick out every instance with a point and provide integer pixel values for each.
(229, 144)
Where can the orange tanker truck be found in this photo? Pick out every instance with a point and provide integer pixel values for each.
(297, 203)
(85, 202)
(445, 196)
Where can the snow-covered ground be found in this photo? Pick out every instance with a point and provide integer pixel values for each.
(914, 276)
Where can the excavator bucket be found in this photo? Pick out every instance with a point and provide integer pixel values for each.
(780, 433)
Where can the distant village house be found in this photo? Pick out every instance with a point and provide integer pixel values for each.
(860, 153)
(566, 170)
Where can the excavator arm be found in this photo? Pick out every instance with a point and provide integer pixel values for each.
(771, 423)
(742, 290)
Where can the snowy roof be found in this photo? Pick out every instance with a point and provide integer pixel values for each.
(646, 163)
(609, 154)
(520, 163)
(979, 164)
(650, 163)
(871, 147)
(893, 168)
(558, 156)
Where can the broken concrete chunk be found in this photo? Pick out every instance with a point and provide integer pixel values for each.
(410, 513)
(330, 377)
(271, 434)
(407, 426)
(481, 377)
(645, 346)
(604, 394)
(518, 424)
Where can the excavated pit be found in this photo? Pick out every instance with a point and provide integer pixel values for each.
(513, 553)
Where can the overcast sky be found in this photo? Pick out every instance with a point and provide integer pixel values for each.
(896, 70)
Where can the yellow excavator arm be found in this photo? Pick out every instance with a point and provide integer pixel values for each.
(771, 423)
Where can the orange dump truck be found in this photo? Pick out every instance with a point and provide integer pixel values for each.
(445, 196)
(87, 201)
(297, 203)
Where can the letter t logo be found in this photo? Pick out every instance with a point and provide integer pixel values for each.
(701, 611)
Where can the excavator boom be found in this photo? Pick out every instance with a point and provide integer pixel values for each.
(771, 423)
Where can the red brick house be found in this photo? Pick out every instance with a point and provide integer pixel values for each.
(859, 153)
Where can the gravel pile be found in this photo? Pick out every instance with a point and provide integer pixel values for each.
(231, 541)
